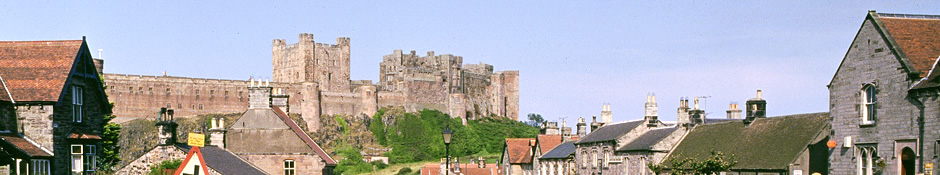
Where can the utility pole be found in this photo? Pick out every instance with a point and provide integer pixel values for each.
(705, 104)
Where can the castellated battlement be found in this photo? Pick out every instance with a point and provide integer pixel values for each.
(315, 77)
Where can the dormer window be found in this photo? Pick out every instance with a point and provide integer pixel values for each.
(869, 104)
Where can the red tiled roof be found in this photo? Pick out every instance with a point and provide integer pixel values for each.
(36, 70)
(300, 132)
(24, 145)
(547, 142)
(84, 136)
(918, 38)
(519, 150)
(469, 169)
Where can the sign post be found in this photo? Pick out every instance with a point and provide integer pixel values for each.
(196, 140)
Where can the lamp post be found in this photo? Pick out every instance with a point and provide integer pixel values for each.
(447, 133)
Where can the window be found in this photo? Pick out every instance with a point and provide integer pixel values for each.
(90, 158)
(289, 167)
(865, 157)
(76, 158)
(195, 169)
(606, 157)
(594, 158)
(77, 99)
(869, 105)
(41, 167)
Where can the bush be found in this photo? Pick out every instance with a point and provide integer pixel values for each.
(404, 171)
(417, 136)
(157, 169)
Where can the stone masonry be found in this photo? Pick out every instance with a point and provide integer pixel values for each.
(316, 77)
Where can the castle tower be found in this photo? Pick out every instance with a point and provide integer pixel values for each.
(310, 105)
(734, 112)
(582, 128)
(308, 61)
(652, 114)
(682, 113)
(606, 115)
(167, 127)
(756, 108)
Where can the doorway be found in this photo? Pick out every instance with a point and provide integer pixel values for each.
(907, 161)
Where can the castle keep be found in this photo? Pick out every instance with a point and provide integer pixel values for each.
(316, 79)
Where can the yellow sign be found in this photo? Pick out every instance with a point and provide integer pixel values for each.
(196, 140)
(928, 165)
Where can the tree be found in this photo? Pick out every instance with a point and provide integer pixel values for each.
(535, 120)
(109, 157)
(713, 165)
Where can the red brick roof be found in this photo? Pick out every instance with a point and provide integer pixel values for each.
(468, 169)
(24, 145)
(36, 70)
(547, 142)
(75, 135)
(519, 150)
(303, 135)
(917, 36)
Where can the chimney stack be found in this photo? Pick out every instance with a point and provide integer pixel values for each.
(733, 111)
(280, 100)
(682, 113)
(652, 111)
(594, 124)
(696, 115)
(756, 108)
(550, 128)
(606, 114)
(582, 128)
(167, 127)
(217, 131)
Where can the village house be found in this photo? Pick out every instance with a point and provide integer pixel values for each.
(794, 144)
(52, 107)
(559, 160)
(214, 159)
(883, 97)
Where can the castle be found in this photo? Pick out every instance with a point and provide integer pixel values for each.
(316, 79)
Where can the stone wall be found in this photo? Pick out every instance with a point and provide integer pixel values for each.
(869, 61)
(35, 122)
(274, 163)
(141, 96)
(158, 154)
(307, 60)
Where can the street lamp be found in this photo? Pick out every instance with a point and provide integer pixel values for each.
(447, 133)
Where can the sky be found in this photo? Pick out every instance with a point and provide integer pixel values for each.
(573, 56)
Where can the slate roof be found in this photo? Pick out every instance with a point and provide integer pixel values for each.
(24, 145)
(519, 150)
(646, 141)
(766, 144)
(36, 70)
(562, 151)
(547, 142)
(303, 135)
(610, 131)
(223, 161)
(917, 36)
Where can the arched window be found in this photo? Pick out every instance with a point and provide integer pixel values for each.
(865, 158)
(869, 104)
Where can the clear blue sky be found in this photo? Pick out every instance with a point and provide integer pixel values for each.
(573, 56)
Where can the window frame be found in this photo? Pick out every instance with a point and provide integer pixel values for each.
(78, 99)
(76, 154)
(865, 157)
(868, 106)
(90, 157)
(292, 169)
(40, 167)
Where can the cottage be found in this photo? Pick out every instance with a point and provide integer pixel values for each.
(52, 107)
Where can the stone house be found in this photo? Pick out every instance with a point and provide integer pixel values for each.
(216, 160)
(595, 152)
(52, 107)
(651, 147)
(883, 97)
(794, 144)
(286, 147)
(543, 144)
(517, 156)
(559, 160)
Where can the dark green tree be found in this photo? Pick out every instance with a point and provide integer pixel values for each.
(535, 120)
